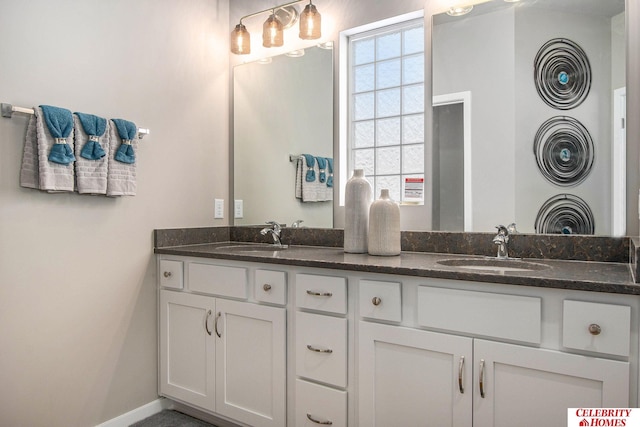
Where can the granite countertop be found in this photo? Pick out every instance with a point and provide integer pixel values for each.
(611, 277)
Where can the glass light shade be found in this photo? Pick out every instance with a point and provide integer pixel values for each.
(240, 40)
(272, 32)
(310, 23)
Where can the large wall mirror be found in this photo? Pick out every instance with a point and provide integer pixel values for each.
(529, 109)
(282, 108)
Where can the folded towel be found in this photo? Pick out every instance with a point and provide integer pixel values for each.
(330, 167)
(47, 160)
(91, 164)
(310, 191)
(322, 168)
(121, 173)
(311, 162)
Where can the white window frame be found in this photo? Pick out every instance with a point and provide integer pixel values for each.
(345, 71)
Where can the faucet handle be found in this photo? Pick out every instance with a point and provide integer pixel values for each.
(502, 229)
(511, 228)
(276, 225)
(296, 223)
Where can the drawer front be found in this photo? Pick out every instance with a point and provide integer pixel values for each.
(170, 273)
(602, 328)
(380, 300)
(218, 280)
(321, 348)
(318, 405)
(510, 317)
(271, 287)
(324, 293)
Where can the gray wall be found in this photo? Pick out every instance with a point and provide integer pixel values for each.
(78, 299)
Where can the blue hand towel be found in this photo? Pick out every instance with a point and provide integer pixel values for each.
(311, 162)
(330, 167)
(60, 124)
(127, 131)
(322, 167)
(94, 127)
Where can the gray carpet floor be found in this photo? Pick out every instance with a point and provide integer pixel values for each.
(169, 418)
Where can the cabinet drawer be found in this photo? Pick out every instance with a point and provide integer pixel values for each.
(170, 273)
(510, 317)
(271, 287)
(380, 300)
(321, 348)
(218, 280)
(324, 293)
(602, 328)
(319, 403)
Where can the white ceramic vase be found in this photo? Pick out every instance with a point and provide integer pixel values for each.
(384, 226)
(357, 200)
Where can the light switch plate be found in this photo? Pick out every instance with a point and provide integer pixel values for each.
(218, 209)
(238, 209)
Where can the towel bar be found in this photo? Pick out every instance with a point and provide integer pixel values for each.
(8, 110)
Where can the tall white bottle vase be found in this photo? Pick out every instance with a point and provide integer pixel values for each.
(357, 200)
(384, 226)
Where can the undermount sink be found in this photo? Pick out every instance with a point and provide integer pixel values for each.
(494, 264)
(251, 247)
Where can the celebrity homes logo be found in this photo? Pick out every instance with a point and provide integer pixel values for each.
(603, 417)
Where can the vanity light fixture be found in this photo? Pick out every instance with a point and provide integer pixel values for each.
(280, 18)
(459, 10)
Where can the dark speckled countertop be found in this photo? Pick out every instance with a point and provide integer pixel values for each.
(611, 277)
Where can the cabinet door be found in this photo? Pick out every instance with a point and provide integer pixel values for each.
(251, 363)
(526, 386)
(409, 377)
(187, 348)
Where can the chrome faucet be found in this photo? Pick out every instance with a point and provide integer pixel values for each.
(274, 229)
(502, 239)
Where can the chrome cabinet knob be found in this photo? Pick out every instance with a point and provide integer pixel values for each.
(376, 301)
(167, 274)
(595, 329)
(266, 287)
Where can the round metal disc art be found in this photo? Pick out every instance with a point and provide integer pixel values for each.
(564, 151)
(562, 74)
(565, 214)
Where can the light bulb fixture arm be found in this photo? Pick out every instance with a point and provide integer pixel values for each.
(271, 9)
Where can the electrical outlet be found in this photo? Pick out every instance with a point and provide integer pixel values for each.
(238, 209)
(218, 209)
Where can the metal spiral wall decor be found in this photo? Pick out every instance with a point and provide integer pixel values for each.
(562, 74)
(565, 214)
(564, 151)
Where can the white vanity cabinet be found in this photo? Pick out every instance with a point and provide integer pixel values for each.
(223, 355)
(463, 357)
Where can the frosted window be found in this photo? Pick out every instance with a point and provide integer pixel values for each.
(363, 134)
(388, 131)
(388, 102)
(364, 78)
(388, 74)
(413, 99)
(413, 129)
(363, 106)
(363, 51)
(387, 160)
(386, 87)
(388, 46)
(363, 159)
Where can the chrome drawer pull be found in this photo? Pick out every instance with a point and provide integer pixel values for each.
(324, 423)
(376, 301)
(595, 329)
(482, 378)
(319, 294)
(206, 322)
(266, 287)
(319, 350)
(215, 325)
(167, 274)
(460, 371)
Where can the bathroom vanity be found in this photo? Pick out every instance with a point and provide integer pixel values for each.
(310, 336)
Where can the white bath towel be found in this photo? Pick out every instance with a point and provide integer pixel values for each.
(311, 191)
(37, 171)
(91, 175)
(121, 177)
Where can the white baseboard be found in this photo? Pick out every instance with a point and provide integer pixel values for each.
(138, 414)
